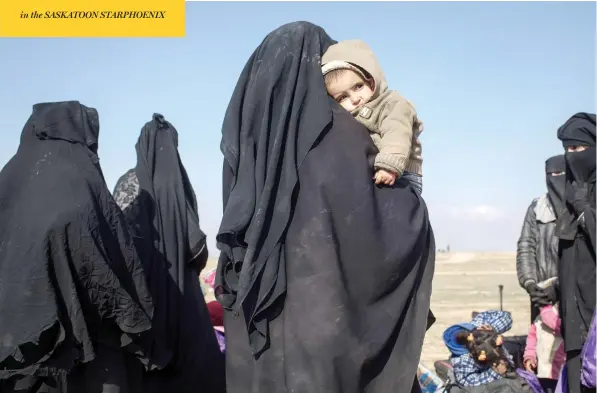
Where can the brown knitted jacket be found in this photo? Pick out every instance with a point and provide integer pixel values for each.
(390, 118)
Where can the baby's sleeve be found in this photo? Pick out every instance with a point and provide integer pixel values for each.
(396, 132)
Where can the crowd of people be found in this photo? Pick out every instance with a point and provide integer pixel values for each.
(556, 266)
(556, 263)
(100, 292)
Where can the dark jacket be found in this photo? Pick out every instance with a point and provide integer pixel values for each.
(510, 384)
(537, 253)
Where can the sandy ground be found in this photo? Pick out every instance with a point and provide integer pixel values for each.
(469, 282)
(465, 282)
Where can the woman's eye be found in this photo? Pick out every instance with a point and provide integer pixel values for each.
(341, 98)
(358, 86)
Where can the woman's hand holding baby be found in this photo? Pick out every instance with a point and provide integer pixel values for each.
(384, 177)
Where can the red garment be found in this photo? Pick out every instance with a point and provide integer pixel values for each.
(216, 312)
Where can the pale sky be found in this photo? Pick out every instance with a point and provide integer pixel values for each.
(491, 81)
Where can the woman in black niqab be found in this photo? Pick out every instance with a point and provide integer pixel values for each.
(555, 170)
(325, 278)
(72, 289)
(265, 138)
(159, 203)
(576, 229)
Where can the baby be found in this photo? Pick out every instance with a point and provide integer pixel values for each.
(354, 78)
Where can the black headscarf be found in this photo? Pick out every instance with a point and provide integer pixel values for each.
(576, 229)
(161, 207)
(68, 268)
(269, 128)
(556, 185)
(163, 176)
(579, 130)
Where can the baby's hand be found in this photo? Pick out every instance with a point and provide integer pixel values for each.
(418, 125)
(384, 177)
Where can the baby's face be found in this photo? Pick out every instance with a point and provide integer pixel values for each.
(350, 90)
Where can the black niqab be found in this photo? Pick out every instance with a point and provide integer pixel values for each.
(265, 138)
(357, 260)
(556, 185)
(162, 212)
(579, 130)
(161, 174)
(576, 229)
(68, 267)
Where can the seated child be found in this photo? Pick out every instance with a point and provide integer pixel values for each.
(467, 370)
(544, 351)
(490, 361)
(354, 78)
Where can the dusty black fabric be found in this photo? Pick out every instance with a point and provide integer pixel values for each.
(578, 130)
(278, 110)
(556, 185)
(161, 207)
(359, 262)
(358, 259)
(576, 229)
(68, 269)
(581, 166)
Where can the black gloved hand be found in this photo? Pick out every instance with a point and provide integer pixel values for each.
(532, 288)
(540, 300)
(538, 296)
(552, 294)
(577, 195)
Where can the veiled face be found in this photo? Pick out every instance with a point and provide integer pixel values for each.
(575, 149)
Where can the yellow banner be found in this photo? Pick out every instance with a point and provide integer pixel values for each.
(92, 18)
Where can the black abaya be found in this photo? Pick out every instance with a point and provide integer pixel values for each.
(72, 285)
(357, 260)
(576, 229)
(278, 110)
(160, 205)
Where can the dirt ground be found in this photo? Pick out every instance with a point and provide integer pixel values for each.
(469, 282)
(465, 282)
